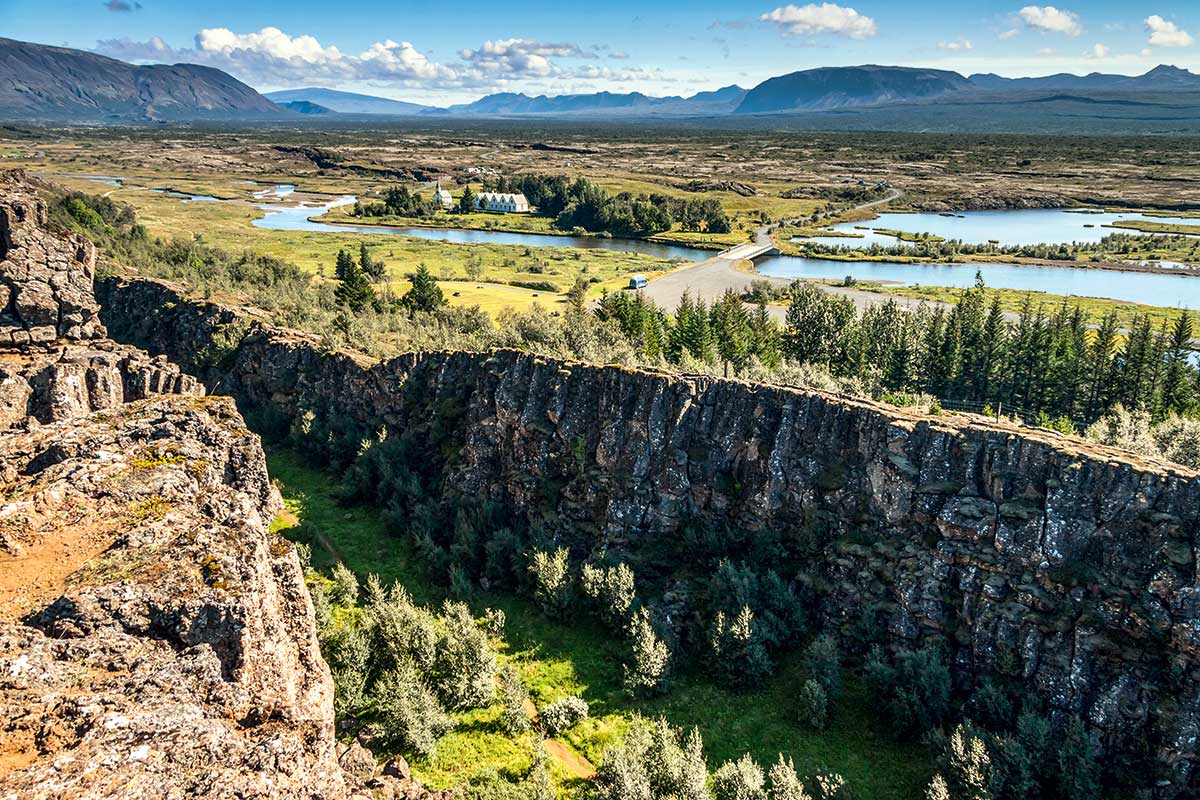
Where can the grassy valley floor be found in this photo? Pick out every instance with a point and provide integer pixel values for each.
(559, 659)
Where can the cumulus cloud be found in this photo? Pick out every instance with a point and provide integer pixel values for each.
(153, 49)
(1049, 18)
(956, 46)
(824, 18)
(1164, 33)
(1098, 51)
(514, 57)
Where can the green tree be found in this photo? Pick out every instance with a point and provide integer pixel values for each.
(425, 294)
(354, 288)
(739, 780)
(1078, 774)
(1177, 394)
(466, 201)
(731, 328)
(646, 671)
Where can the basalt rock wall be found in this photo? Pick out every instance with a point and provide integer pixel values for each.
(1062, 564)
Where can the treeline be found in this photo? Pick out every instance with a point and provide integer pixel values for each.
(398, 201)
(1114, 245)
(583, 204)
(1057, 365)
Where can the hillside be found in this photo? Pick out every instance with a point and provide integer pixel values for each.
(57, 83)
(839, 87)
(720, 101)
(1161, 78)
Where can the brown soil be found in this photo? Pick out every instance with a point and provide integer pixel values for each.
(576, 764)
(38, 574)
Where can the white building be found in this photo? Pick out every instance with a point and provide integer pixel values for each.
(502, 203)
(443, 197)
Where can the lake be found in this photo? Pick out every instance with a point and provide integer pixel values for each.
(1008, 227)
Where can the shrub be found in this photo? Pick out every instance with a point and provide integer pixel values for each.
(403, 632)
(622, 773)
(515, 718)
(552, 580)
(646, 671)
(465, 664)
(739, 780)
(612, 591)
(914, 692)
(493, 621)
(824, 664)
(784, 783)
(344, 589)
(813, 705)
(563, 714)
(830, 787)
(408, 714)
(739, 655)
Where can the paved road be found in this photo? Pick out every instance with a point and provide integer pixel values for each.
(708, 280)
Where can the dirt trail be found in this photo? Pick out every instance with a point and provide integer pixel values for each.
(574, 763)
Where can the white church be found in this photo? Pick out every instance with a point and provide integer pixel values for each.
(502, 203)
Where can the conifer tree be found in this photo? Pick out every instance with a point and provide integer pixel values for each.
(1177, 395)
(354, 288)
(425, 294)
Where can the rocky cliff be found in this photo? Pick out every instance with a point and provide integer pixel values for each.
(155, 639)
(1065, 566)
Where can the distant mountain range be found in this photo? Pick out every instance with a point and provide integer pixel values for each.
(346, 102)
(57, 83)
(60, 84)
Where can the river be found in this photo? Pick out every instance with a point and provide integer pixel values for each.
(1157, 289)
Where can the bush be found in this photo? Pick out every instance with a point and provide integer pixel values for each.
(739, 780)
(552, 581)
(913, 692)
(813, 705)
(344, 590)
(465, 664)
(563, 714)
(403, 632)
(824, 664)
(493, 621)
(408, 715)
(646, 671)
(612, 591)
(515, 718)
(739, 655)
(784, 783)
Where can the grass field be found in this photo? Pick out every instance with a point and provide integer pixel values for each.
(557, 659)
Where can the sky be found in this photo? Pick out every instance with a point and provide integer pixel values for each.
(459, 50)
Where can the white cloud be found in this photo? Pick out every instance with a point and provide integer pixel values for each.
(956, 46)
(1164, 33)
(1049, 18)
(823, 18)
(1047, 51)
(1098, 51)
(154, 49)
(1004, 36)
(521, 56)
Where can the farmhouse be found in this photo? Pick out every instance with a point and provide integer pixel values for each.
(442, 197)
(502, 202)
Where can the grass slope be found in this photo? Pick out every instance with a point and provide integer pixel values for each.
(557, 659)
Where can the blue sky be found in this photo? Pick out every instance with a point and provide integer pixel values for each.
(455, 51)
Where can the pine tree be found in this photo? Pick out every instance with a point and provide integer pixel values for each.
(1177, 395)
(731, 329)
(466, 202)
(425, 294)
(765, 337)
(1100, 373)
(1078, 774)
(354, 288)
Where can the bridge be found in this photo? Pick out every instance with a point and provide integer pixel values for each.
(750, 250)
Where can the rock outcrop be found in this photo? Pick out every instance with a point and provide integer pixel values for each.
(1062, 565)
(155, 639)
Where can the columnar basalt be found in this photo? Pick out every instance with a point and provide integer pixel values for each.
(1062, 564)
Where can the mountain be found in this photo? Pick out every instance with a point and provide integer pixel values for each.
(720, 101)
(43, 82)
(1161, 78)
(842, 87)
(305, 107)
(347, 102)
